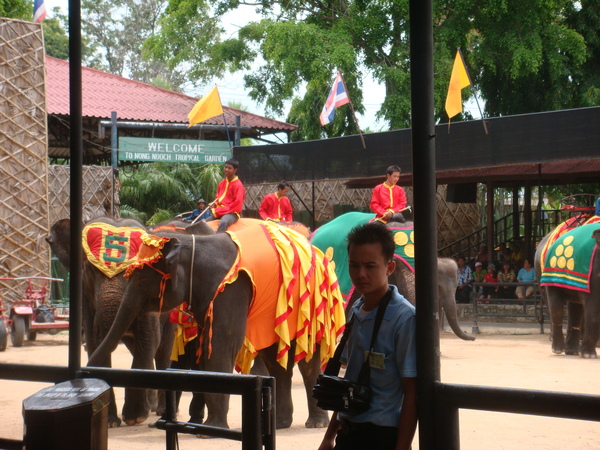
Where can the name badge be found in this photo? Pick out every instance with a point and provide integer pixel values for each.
(377, 361)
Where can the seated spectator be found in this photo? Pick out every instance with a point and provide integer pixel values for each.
(490, 277)
(516, 256)
(506, 275)
(482, 256)
(465, 278)
(478, 277)
(526, 275)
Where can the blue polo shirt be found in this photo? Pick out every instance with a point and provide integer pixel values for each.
(396, 358)
(526, 276)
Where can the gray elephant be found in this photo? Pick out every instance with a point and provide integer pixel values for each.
(331, 239)
(102, 296)
(208, 259)
(563, 280)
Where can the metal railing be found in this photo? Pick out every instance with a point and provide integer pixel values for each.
(538, 312)
(257, 392)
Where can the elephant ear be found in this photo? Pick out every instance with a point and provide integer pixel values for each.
(171, 252)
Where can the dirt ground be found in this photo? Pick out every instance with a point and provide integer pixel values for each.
(508, 360)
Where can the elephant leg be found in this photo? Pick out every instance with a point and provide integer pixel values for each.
(229, 329)
(162, 358)
(556, 306)
(317, 417)
(591, 311)
(574, 323)
(283, 384)
(139, 402)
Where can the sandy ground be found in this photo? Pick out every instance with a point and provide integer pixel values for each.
(508, 360)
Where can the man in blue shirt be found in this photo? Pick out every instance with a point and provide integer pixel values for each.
(201, 211)
(391, 419)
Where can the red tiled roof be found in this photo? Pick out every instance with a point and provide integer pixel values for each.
(132, 100)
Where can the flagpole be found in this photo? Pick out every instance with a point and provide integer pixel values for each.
(225, 122)
(353, 112)
(473, 89)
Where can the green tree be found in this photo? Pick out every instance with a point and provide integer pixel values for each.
(159, 191)
(585, 18)
(56, 39)
(17, 9)
(118, 29)
(523, 56)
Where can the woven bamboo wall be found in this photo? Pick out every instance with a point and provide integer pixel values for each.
(96, 196)
(455, 220)
(23, 155)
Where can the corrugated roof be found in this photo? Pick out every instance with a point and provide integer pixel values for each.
(132, 100)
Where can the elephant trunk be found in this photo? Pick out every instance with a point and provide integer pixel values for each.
(128, 310)
(450, 309)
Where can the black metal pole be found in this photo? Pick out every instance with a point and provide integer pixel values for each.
(76, 138)
(114, 151)
(424, 187)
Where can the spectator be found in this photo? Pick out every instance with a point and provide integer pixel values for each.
(516, 255)
(597, 212)
(465, 278)
(388, 199)
(525, 275)
(478, 277)
(276, 206)
(391, 419)
(201, 212)
(490, 277)
(482, 256)
(506, 275)
(229, 202)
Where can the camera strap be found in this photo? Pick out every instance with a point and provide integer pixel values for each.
(333, 366)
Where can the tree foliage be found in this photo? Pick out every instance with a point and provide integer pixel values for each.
(156, 190)
(17, 9)
(523, 56)
(117, 30)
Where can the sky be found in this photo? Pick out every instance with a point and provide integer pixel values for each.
(231, 87)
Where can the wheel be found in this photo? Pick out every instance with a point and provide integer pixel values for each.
(17, 332)
(31, 335)
(3, 335)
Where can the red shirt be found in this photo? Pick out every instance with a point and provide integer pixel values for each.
(387, 198)
(276, 208)
(230, 197)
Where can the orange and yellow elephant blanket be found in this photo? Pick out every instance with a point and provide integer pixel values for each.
(295, 295)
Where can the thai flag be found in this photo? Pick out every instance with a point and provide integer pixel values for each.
(39, 10)
(337, 97)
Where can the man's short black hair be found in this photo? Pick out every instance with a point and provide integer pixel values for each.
(233, 162)
(283, 185)
(372, 233)
(390, 170)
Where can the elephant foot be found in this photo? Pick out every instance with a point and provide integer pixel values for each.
(557, 351)
(196, 419)
(281, 423)
(571, 352)
(321, 421)
(136, 421)
(589, 353)
(113, 422)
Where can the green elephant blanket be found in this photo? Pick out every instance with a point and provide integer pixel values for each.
(567, 260)
(331, 239)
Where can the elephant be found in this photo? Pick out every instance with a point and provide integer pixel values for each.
(148, 339)
(207, 260)
(331, 239)
(583, 307)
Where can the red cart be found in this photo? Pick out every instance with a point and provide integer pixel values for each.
(33, 313)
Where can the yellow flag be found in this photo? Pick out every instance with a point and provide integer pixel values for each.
(207, 107)
(458, 80)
